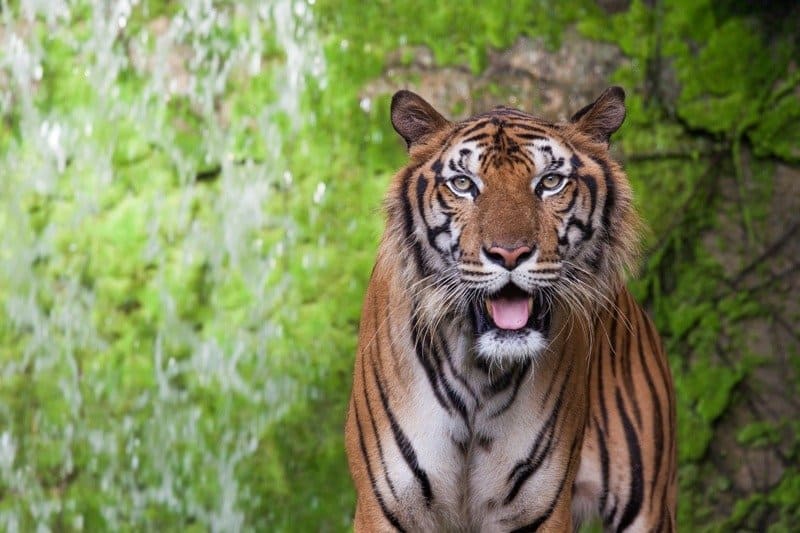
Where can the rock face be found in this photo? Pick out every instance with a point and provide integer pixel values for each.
(549, 83)
(768, 274)
(556, 83)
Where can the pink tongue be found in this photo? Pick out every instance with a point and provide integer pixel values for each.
(508, 313)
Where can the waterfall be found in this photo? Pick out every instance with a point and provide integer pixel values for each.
(142, 240)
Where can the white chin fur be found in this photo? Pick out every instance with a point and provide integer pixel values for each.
(499, 347)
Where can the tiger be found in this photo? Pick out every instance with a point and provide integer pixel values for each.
(505, 378)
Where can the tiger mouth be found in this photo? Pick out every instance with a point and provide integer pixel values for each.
(511, 311)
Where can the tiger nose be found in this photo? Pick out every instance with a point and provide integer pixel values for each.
(508, 257)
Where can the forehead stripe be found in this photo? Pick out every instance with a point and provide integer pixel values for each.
(527, 127)
(531, 136)
(476, 127)
(477, 137)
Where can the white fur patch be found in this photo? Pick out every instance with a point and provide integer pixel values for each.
(499, 347)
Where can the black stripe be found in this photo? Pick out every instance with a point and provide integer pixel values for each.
(434, 232)
(476, 137)
(613, 513)
(661, 363)
(484, 441)
(545, 271)
(635, 495)
(462, 446)
(604, 468)
(534, 526)
(386, 512)
(527, 127)
(433, 354)
(475, 127)
(571, 203)
(455, 398)
(377, 436)
(502, 383)
(431, 232)
(406, 449)
(657, 417)
(549, 391)
(513, 396)
(444, 207)
(591, 184)
(422, 357)
(612, 349)
(475, 272)
(422, 186)
(610, 191)
(525, 469)
(531, 136)
(627, 360)
(600, 387)
(408, 223)
(444, 348)
(585, 228)
(662, 519)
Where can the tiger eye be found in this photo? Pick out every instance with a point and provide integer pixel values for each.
(551, 181)
(461, 183)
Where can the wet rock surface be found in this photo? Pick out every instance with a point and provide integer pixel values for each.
(552, 83)
(768, 274)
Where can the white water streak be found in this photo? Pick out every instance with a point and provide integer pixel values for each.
(136, 414)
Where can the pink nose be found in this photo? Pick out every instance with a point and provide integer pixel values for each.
(509, 258)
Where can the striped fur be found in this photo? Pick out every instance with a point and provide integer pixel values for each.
(456, 424)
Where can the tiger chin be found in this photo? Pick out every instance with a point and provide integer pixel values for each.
(505, 379)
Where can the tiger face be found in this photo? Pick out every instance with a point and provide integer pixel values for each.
(515, 222)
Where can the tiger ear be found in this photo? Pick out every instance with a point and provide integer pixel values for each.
(414, 118)
(602, 117)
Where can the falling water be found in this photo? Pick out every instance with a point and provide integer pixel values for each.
(138, 191)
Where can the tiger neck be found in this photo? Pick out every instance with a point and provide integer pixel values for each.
(477, 389)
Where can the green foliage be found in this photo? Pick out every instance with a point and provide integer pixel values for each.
(187, 228)
(749, 512)
(777, 131)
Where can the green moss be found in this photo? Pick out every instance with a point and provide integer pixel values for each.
(183, 287)
(777, 131)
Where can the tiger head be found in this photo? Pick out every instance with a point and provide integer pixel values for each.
(512, 224)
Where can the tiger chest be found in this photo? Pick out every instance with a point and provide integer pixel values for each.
(488, 466)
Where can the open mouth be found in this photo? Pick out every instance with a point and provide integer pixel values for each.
(512, 310)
